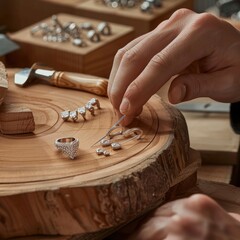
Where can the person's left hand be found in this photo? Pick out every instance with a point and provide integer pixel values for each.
(197, 218)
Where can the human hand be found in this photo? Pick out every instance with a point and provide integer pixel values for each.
(195, 218)
(144, 65)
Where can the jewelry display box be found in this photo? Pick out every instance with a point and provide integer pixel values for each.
(96, 58)
(142, 22)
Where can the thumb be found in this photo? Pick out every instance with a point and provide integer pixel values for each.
(189, 86)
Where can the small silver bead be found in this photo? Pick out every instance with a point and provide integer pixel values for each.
(106, 153)
(116, 146)
(105, 142)
(99, 151)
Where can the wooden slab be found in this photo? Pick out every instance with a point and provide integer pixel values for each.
(91, 194)
(95, 59)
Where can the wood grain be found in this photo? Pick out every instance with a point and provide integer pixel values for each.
(3, 82)
(16, 119)
(80, 82)
(91, 194)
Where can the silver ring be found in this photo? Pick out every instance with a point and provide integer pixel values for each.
(90, 108)
(93, 36)
(68, 146)
(104, 28)
(65, 115)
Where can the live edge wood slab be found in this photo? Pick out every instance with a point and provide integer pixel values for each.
(43, 193)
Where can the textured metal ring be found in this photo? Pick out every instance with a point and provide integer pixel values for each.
(68, 146)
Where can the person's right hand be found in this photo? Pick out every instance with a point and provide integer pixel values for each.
(143, 66)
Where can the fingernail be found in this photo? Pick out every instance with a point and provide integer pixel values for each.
(178, 94)
(124, 106)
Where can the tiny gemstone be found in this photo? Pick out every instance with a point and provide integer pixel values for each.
(106, 153)
(94, 102)
(65, 115)
(90, 108)
(99, 151)
(105, 142)
(74, 115)
(116, 146)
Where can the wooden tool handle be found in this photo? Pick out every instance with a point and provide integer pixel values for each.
(80, 82)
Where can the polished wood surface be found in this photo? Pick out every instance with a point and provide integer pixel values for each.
(16, 119)
(80, 82)
(90, 194)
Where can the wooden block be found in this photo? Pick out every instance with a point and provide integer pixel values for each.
(91, 196)
(3, 82)
(16, 119)
(95, 59)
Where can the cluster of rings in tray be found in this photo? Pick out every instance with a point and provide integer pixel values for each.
(77, 33)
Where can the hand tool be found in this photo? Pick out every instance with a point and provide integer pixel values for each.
(62, 79)
(111, 128)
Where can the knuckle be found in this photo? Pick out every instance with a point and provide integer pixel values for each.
(180, 13)
(159, 60)
(120, 53)
(204, 20)
(130, 56)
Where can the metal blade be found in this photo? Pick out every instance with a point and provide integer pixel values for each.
(7, 45)
(20, 78)
(211, 107)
